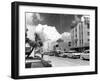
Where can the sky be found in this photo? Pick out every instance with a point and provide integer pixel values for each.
(62, 22)
(47, 32)
(49, 26)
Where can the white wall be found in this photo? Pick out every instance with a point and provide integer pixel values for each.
(5, 41)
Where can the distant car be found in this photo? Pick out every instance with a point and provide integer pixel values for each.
(57, 53)
(64, 54)
(73, 54)
(76, 55)
(70, 53)
(61, 54)
(52, 53)
(85, 55)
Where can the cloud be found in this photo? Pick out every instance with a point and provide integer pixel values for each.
(49, 32)
(66, 36)
(44, 31)
(30, 32)
(33, 18)
(48, 35)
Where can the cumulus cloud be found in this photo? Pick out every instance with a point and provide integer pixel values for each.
(49, 32)
(44, 31)
(48, 35)
(66, 36)
(30, 32)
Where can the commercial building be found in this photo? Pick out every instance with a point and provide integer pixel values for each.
(80, 34)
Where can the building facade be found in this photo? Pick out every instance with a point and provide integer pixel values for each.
(80, 34)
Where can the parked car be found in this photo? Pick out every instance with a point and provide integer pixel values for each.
(61, 54)
(57, 53)
(52, 53)
(85, 55)
(64, 54)
(70, 53)
(73, 54)
(76, 55)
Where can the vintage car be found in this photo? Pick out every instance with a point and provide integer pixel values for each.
(85, 55)
(52, 53)
(58, 53)
(63, 54)
(73, 54)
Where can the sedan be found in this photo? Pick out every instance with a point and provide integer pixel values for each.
(70, 54)
(73, 54)
(85, 55)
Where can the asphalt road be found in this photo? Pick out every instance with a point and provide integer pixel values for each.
(59, 61)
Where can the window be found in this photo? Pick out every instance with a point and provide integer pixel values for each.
(76, 29)
(82, 41)
(69, 44)
(88, 33)
(88, 39)
(76, 42)
(80, 26)
(76, 35)
(88, 25)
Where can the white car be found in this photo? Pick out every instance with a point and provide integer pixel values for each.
(85, 55)
(64, 55)
(70, 53)
(76, 55)
(73, 54)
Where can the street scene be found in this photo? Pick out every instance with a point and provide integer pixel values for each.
(56, 40)
(58, 61)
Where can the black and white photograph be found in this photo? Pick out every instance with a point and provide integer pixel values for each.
(56, 40)
(51, 40)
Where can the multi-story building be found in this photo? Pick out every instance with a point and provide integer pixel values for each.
(80, 34)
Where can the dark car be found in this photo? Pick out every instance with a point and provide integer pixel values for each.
(57, 53)
(52, 53)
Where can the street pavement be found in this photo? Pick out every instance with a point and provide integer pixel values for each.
(59, 61)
